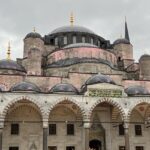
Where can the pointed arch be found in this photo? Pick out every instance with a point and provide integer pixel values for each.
(18, 99)
(143, 100)
(109, 101)
(54, 104)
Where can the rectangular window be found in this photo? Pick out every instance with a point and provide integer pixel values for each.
(70, 129)
(15, 129)
(138, 130)
(139, 148)
(13, 148)
(121, 147)
(70, 148)
(52, 129)
(121, 129)
(52, 148)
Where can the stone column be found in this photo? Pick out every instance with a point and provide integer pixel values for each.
(126, 131)
(1, 132)
(1, 137)
(45, 130)
(45, 134)
(86, 132)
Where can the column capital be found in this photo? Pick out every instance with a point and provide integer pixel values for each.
(1, 123)
(126, 125)
(45, 123)
(87, 123)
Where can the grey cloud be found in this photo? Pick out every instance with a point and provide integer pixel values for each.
(105, 18)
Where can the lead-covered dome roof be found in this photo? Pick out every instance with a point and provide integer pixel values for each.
(11, 65)
(77, 45)
(64, 88)
(136, 90)
(25, 86)
(33, 35)
(72, 29)
(99, 78)
(145, 57)
(121, 41)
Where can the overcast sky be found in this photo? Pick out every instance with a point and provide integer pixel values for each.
(104, 17)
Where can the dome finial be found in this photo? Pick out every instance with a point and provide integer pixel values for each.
(71, 19)
(34, 29)
(8, 51)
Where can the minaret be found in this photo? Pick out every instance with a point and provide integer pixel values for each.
(126, 31)
(8, 51)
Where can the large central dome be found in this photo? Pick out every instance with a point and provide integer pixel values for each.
(72, 29)
(66, 35)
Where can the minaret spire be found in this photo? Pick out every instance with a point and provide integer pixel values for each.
(8, 51)
(126, 31)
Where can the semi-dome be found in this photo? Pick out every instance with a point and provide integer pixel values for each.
(99, 78)
(33, 35)
(64, 88)
(136, 90)
(121, 41)
(25, 86)
(76, 45)
(11, 65)
(72, 29)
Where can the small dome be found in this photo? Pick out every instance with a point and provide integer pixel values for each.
(11, 65)
(64, 88)
(72, 29)
(76, 45)
(33, 35)
(99, 78)
(136, 90)
(145, 57)
(121, 41)
(25, 86)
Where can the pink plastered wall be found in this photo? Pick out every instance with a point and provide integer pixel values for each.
(145, 84)
(83, 52)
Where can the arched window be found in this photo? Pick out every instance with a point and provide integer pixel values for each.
(74, 39)
(83, 39)
(56, 41)
(65, 40)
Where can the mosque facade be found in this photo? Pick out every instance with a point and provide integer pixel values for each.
(75, 90)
